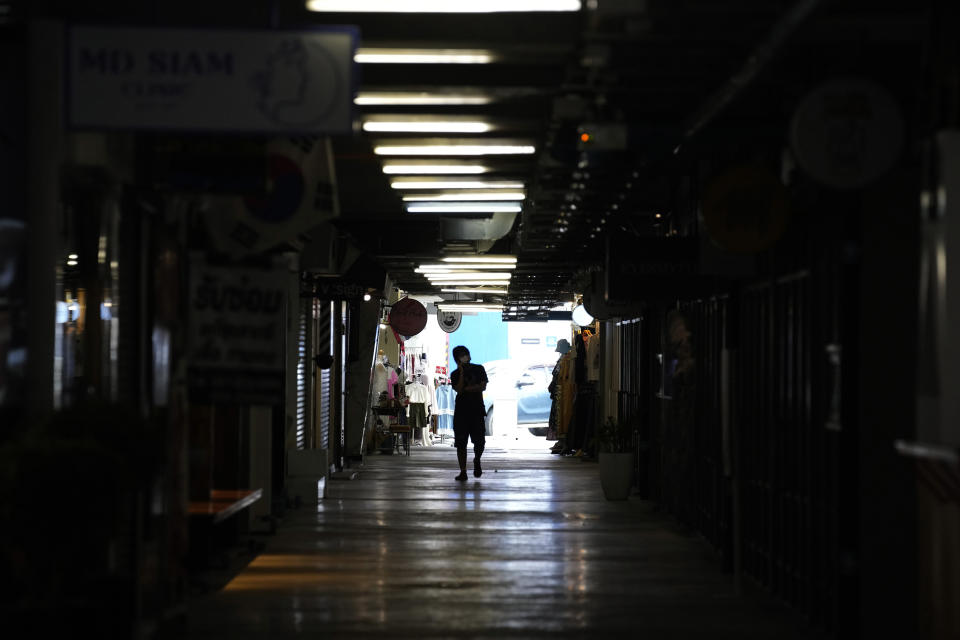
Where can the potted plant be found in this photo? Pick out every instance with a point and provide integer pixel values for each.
(616, 459)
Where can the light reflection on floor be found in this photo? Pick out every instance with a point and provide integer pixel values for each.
(531, 549)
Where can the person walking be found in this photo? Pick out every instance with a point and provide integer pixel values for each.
(468, 381)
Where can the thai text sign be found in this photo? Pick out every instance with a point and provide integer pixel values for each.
(236, 334)
(210, 80)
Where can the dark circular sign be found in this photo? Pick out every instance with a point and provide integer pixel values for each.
(847, 133)
(408, 317)
(745, 209)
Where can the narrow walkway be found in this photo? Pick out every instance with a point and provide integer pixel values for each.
(529, 550)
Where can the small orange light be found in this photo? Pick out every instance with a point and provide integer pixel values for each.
(584, 137)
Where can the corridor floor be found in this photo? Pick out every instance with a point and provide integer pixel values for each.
(529, 550)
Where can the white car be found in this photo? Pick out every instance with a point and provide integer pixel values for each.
(520, 384)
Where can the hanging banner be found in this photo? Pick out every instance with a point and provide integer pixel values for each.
(236, 333)
(228, 80)
(300, 195)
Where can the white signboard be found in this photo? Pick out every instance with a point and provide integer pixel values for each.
(236, 334)
(210, 80)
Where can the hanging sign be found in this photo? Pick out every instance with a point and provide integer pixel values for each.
(847, 133)
(442, 371)
(449, 321)
(745, 209)
(236, 334)
(650, 270)
(230, 80)
(408, 317)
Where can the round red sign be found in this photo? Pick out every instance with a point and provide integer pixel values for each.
(408, 317)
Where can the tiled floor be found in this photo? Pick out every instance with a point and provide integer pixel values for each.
(529, 550)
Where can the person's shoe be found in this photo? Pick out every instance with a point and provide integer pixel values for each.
(462, 477)
(477, 471)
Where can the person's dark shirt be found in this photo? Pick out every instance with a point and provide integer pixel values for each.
(469, 402)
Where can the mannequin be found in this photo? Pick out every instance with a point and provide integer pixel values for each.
(381, 376)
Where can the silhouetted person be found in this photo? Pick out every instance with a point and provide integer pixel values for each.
(469, 381)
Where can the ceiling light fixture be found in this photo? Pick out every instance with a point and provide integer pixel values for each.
(475, 290)
(419, 98)
(431, 126)
(377, 55)
(471, 283)
(426, 183)
(468, 275)
(454, 149)
(469, 307)
(481, 207)
(441, 6)
(470, 304)
(465, 197)
(460, 268)
(479, 259)
(405, 169)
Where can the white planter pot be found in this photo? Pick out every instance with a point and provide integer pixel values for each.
(616, 475)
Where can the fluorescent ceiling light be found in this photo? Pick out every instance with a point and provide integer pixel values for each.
(426, 126)
(463, 149)
(434, 183)
(473, 283)
(501, 282)
(474, 290)
(471, 307)
(377, 55)
(441, 6)
(481, 207)
(460, 268)
(419, 98)
(479, 259)
(440, 169)
(468, 275)
(465, 197)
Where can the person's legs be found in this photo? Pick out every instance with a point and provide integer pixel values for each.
(478, 436)
(460, 434)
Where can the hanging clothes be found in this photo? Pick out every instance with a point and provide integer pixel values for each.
(593, 358)
(445, 397)
(419, 407)
(392, 379)
(567, 391)
(583, 423)
(554, 389)
(380, 383)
